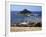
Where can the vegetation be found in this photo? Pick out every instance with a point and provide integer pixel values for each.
(28, 25)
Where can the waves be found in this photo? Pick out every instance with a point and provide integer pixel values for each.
(36, 17)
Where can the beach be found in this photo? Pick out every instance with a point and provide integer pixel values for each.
(21, 29)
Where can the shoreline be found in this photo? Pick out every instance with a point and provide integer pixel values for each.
(24, 29)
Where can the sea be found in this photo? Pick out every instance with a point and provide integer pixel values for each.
(37, 16)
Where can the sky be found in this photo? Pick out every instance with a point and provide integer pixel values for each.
(22, 7)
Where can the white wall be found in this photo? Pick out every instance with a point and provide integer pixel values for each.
(2, 18)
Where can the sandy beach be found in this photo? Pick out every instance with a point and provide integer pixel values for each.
(21, 29)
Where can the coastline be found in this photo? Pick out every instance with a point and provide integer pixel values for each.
(24, 29)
